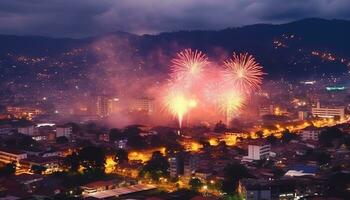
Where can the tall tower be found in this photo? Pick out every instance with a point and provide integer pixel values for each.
(102, 106)
(105, 106)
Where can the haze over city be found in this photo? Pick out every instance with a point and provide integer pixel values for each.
(174, 99)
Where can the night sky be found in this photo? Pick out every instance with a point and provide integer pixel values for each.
(81, 18)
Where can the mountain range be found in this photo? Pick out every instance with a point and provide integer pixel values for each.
(304, 49)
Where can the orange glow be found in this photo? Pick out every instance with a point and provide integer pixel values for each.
(195, 146)
(192, 146)
(277, 111)
(213, 142)
(144, 155)
(179, 105)
(230, 140)
(110, 165)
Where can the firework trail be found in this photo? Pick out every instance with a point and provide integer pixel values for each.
(231, 101)
(179, 104)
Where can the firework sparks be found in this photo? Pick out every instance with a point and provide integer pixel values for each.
(196, 84)
(244, 72)
(230, 102)
(179, 105)
(188, 65)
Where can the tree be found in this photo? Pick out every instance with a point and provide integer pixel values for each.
(121, 156)
(115, 134)
(327, 136)
(62, 140)
(156, 167)
(323, 158)
(37, 169)
(233, 197)
(204, 143)
(260, 134)
(27, 142)
(287, 136)
(83, 143)
(195, 184)
(347, 141)
(8, 169)
(271, 139)
(233, 173)
(156, 141)
(133, 135)
(277, 172)
(220, 127)
(76, 129)
(93, 159)
(338, 184)
(72, 162)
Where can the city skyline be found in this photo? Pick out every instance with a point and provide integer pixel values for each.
(255, 105)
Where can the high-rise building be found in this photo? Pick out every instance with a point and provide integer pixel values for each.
(257, 152)
(105, 106)
(190, 164)
(113, 105)
(174, 166)
(102, 106)
(144, 104)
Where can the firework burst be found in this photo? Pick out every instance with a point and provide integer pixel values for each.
(188, 65)
(196, 87)
(243, 72)
(230, 102)
(178, 104)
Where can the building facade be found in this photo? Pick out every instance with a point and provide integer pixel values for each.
(257, 152)
(325, 112)
(65, 131)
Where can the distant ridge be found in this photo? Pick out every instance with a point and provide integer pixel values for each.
(297, 41)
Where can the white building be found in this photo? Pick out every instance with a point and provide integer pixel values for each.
(174, 168)
(325, 112)
(310, 133)
(65, 131)
(9, 156)
(27, 130)
(257, 152)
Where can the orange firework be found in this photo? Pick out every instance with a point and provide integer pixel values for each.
(178, 104)
(188, 65)
(229, 102)
(244, 72)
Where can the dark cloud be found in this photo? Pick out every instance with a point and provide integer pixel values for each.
(79, 18)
